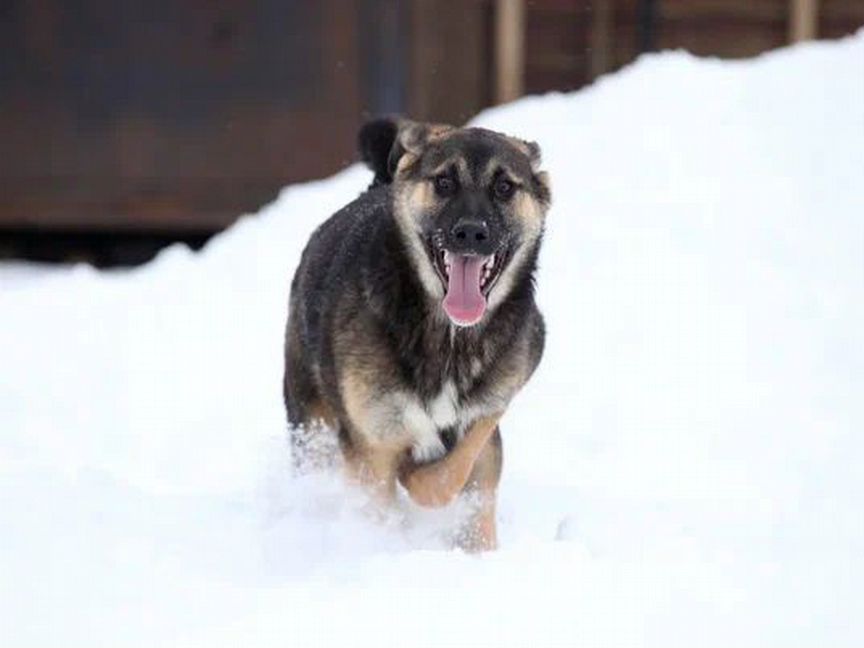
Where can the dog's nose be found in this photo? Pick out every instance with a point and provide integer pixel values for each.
(471, 233)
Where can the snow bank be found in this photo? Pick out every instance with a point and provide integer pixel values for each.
(682, 471)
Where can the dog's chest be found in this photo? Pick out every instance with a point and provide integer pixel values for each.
(445, 410)
(438, 412)
(434, 424)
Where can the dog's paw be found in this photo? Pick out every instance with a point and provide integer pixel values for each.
(428, 449)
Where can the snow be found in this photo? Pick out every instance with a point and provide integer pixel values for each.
(683, 470)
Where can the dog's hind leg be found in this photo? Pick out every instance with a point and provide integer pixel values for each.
(313, 444)
(375, 469)
(307, 412)
(437, 483)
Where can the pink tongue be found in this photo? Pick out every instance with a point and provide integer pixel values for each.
(464, 302)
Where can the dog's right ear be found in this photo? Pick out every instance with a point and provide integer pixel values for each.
(384, 142)
(379, 146)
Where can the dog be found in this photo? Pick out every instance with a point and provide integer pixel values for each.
(412, 320)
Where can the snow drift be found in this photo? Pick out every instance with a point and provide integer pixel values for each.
(683, 470)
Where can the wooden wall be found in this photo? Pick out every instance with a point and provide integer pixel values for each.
(567, 43)
(165, 118)
(168, 115)
(160, 116)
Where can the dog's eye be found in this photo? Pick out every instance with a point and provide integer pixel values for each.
(503, 189)
(444, 185)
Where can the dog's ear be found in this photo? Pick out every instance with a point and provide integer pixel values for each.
(531, 149)
(384, 142)
(540, 180)
(542, 187)
(534, 154)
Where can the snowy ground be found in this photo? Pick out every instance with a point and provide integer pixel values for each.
(684, 470)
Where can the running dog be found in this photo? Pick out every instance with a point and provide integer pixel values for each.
(412, 321)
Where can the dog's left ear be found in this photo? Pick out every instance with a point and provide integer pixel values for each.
(530, 149)
(384, 142)
(540, 178)
(534, 155)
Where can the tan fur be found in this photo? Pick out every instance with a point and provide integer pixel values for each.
(414, 136)
(405, 163)
(371, 461)
(527, 208)
(480, 532)
(356, 396)
(532, 214)
(543, 178)
(411, 199)
(376, 419)
(437, 132)
(493, 167)
(377, 462)
(375, 468)
(437, 483)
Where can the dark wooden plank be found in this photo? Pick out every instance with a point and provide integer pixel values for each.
(450, 60)
(125, 114)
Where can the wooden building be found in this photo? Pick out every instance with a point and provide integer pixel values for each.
(125, 124)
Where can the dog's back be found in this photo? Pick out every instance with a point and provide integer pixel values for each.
(324, 281)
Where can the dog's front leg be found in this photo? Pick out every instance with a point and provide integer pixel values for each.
(437, 483)
(480, 530)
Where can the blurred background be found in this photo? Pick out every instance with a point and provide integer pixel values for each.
(126, 125)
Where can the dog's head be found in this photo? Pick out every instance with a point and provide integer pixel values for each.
(471, 204)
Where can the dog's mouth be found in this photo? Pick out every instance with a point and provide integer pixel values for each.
(468, 279)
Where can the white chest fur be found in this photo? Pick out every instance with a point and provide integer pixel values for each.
(443, 408)
(404, 418)
(424, 421)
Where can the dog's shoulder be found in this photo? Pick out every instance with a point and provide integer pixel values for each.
(365, 213)
(350, 235)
